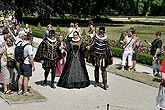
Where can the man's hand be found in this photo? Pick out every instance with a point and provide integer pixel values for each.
(88, 47)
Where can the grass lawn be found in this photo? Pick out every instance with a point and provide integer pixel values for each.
(18, 99)
(136, 76)
(143, 31)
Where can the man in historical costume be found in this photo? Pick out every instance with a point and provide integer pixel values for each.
(48, 54)
(101, 56)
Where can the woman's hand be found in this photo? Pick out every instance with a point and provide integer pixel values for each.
(42, 61)
(61, 47)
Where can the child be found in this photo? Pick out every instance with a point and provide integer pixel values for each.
(161, 93)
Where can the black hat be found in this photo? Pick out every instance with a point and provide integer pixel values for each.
(51, 32)
(102, 28)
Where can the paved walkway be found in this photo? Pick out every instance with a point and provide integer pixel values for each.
(123, 94)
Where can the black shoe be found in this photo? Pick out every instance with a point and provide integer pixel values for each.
(157, 75)
(53, 86)
(106, 87)
(44, 84)
(96, 84)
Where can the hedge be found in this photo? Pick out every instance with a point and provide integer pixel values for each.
(38, 33)
(64, 22)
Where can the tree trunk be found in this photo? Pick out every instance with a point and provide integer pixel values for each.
(145, 8)
(18, 15)
(137, 7)
(18, 10)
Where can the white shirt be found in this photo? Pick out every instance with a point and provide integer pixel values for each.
(28, 50)
(129, 46)
(71, 31)
(1, 39)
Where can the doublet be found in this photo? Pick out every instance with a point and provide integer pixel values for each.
(49, 50)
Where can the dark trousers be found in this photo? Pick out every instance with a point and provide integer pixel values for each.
(104, 75)
(46, 73)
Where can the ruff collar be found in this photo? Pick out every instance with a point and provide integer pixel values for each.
(75, 40)
(51, 39)
(102, 38)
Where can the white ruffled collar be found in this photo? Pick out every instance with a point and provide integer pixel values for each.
(102, 38)
(75, 40)
(51, 39)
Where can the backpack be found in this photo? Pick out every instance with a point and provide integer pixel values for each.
(19, 53)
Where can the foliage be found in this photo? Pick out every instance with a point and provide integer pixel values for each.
(86, 9)
(83, 33)
(39, 27)
(38, 33)
(121, 37)
(22, 24)
(58, 28)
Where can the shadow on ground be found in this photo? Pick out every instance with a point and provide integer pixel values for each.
(42, 81)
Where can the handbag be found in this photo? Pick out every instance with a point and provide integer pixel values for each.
(11, 63)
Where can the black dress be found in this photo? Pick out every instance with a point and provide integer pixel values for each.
(75, 74)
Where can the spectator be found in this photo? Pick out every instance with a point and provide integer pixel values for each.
(16, 30)
(78, 29)
(27, 66)
(5, 28)
(1, 37)
(128, 51)
(155, 51)
(14, 20)
(1, 24)
(91, 32)
(20, 38)
(138, 44)
(46, 32)
(161, 93)
(5, 72)
(27, 29)
(70, 32)
(11, 62)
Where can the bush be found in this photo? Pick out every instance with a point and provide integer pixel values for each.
(39, 27)
(83, 33)
(117, 52)
(22, 25)
(58, 28)
(145, 59)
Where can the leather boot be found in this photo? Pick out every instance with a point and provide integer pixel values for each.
(96, 78)
(104, 77)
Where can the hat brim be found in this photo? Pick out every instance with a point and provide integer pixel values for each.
(101, 30)
(51, 34)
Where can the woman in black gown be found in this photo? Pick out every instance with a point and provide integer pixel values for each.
(75, 74)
